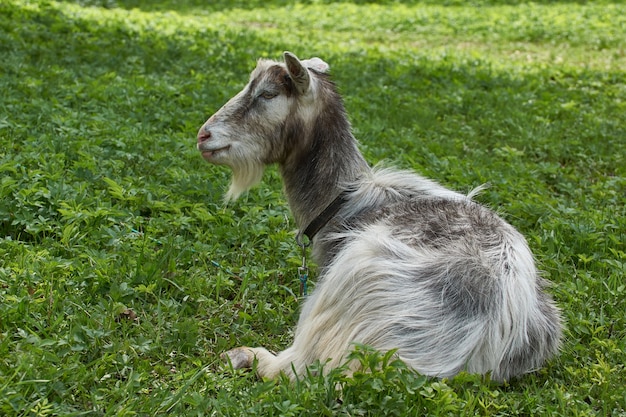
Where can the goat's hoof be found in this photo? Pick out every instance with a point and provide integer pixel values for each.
(239, 358)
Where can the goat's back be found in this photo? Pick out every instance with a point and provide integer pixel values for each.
(415, 267)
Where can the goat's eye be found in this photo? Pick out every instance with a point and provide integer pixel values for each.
(268, 95)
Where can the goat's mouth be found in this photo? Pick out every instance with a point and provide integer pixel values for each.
(209, 154)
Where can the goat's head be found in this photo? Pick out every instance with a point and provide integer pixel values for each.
(263, 123)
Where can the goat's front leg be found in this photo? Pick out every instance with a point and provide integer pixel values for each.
(268, 365)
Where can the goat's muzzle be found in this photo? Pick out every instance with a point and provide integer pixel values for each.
(207, 149)
(204, 134)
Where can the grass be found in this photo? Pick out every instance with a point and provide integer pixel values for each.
(123, 276)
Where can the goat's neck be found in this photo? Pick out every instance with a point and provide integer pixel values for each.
(315, 176)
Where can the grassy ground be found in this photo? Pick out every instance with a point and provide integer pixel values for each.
(122, 275)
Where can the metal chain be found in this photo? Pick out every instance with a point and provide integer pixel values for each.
(303, 273)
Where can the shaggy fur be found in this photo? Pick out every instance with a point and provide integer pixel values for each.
(405, 264)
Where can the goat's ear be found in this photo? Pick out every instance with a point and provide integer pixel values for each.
(298, 72)
(316, 64)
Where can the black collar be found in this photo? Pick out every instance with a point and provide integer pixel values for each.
(322, 219)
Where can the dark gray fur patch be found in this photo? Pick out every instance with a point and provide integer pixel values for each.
(310, 170)
(461, 232)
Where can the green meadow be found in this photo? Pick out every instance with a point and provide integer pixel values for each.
(123, 275)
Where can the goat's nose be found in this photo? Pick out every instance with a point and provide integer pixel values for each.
(204, 134)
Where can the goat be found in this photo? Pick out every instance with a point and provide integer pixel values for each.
(404, 263)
